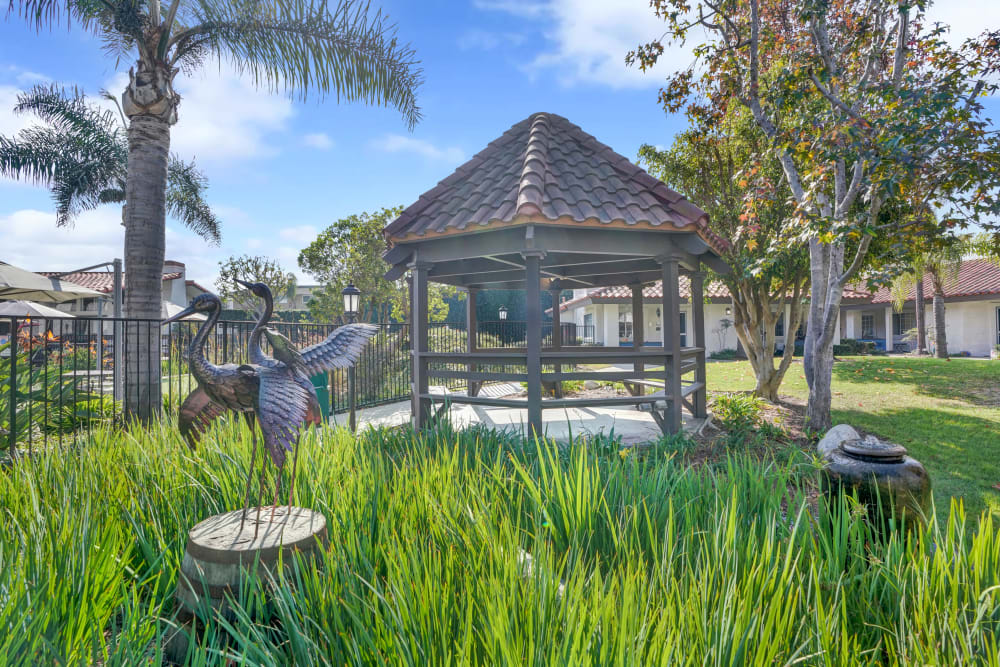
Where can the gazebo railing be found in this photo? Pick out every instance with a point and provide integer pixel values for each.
(495, 365)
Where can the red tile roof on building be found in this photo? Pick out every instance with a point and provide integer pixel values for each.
(653, 292)
(976, 277)
(191, 283)
(99, 281)
(546, 169)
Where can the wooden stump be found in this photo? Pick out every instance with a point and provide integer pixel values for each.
(220, 558)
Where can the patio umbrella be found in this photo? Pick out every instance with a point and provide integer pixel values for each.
(168, 309)
(29, 309)
(18, 283)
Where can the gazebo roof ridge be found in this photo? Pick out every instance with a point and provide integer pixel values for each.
(545, 169)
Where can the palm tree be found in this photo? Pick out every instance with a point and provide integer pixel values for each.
(941, 263)
(913, 278)
(293, 45)
(81, 154)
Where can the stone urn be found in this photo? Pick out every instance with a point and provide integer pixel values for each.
(884, 478)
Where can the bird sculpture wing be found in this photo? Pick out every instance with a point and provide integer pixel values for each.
(341, 349)
(285, 404)
(197, 413)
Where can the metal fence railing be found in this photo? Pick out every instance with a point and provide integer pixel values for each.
(59, 376)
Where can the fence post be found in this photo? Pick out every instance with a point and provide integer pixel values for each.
(352, 402)
(12, 435)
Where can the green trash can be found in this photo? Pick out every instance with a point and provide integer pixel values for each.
(322, 393)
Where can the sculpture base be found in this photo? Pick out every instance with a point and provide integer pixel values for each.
(220, 557)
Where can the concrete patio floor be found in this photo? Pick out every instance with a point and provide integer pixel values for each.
(631, 425)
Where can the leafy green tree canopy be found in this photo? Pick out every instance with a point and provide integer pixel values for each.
(254, 269)
(350, 251)
(729, 172)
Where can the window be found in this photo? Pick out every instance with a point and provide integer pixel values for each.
(779, 327)
(903, 322)
(867, 326)
(683, 329)
(625, 325)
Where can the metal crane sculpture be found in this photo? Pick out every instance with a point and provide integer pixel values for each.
(277, 391)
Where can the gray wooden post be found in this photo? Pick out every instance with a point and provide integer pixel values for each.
(533, 308)
(555, 287)
(418, 338)
(471, 331)
(638, 328)
(698, 339)
(671, 342)
(412, 325)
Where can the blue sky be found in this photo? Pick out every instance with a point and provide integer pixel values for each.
(281, 170)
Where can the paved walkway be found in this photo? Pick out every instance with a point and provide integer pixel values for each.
(631, 425)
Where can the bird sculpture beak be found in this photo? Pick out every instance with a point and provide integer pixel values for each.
(242, 282)
(184, 313)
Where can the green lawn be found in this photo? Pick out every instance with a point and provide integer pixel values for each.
(946, 413)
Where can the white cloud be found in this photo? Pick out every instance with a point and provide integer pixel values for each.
(965, 18)
(11, 123)
(304, 234)
(397, 143)
(223, 118)
(320, 140)
(588, 40)
(32, 241)
(484, 40)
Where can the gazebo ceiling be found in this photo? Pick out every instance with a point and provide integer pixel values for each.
(547, 184)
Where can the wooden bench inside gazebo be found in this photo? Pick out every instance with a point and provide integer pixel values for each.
(547, 206)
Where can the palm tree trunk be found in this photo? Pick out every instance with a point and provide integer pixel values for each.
(940, 338)
(921, 316)
(145, 217)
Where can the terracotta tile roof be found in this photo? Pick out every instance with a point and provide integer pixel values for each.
(976, 277)
(100, 281)
(653, 292)
(191, 283)
(546, 169)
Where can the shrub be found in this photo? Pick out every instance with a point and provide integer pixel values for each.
(725, 355)
(738, 411)
(742, 416)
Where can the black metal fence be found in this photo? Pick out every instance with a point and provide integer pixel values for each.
(59, 376)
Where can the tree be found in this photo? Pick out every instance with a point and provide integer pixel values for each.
(350, 251)
(861, 102)
(294, 45)
(253, 270)
(726, 170)
(81, 154)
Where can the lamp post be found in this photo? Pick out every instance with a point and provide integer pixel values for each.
(352, 297)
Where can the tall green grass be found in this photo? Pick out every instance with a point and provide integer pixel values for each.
(633, 560)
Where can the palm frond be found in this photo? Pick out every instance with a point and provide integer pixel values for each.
(69, 112)
(300, 45)
(185, 189)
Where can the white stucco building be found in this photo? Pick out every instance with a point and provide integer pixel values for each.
(972, 314)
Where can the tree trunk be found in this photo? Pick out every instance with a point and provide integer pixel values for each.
(921, 308)
(151, 106)
(751, 306)
(826, 264)
(940, 337)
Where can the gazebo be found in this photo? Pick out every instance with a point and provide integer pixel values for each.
(547, 206)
